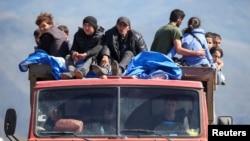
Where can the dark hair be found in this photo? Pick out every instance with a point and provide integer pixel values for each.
(193, 22)
(36, 33)
(63, 28)
(176, 14)
(171, 98)
(216, 35)
(214, 49)
(209, 35)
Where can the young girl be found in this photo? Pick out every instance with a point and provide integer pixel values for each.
(194, 39)
(217, 54)
(210, 39)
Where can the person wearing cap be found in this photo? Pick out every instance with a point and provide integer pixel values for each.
(167, 39)
(121, 44)
(85, 48)
(52, 40)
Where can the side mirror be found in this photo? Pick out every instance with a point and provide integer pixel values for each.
(225, 120)
(10, 122)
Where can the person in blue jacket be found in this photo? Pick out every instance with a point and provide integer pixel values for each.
(194, 39)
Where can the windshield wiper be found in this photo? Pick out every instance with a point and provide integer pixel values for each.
(54, 134)
(59, 133)
(143, 131)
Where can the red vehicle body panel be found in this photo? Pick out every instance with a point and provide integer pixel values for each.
(119, 82)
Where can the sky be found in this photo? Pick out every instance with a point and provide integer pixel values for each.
(229, 18)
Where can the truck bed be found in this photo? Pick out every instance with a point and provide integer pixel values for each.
(208, 76)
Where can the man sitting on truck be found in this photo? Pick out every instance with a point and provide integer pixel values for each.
(172, 118)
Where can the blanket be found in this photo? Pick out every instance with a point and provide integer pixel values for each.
(150, 64)
(57, 64)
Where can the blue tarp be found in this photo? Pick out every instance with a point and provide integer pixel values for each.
(150, 64)
(40, 56)
(57, 64)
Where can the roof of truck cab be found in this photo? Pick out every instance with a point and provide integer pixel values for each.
(119, 81)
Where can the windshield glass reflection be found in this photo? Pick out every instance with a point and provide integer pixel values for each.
(117, 111)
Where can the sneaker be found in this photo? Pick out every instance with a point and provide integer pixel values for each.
(71, 68)
(78, 74)
(116, 71)
(100, 70)
(66, 75)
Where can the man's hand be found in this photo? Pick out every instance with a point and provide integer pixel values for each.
(74, 56)
(201, 52)
(81, 56)
(78, 56)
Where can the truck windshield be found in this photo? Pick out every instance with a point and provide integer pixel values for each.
(117, 111)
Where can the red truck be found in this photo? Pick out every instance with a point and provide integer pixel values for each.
(118, 108)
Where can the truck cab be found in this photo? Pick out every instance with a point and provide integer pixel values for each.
(120, 108)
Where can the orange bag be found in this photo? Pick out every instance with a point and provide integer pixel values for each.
(71, 125)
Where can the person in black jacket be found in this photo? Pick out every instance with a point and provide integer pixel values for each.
(121, 44)
(36, 35)
(52, 40)
(85, 48)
